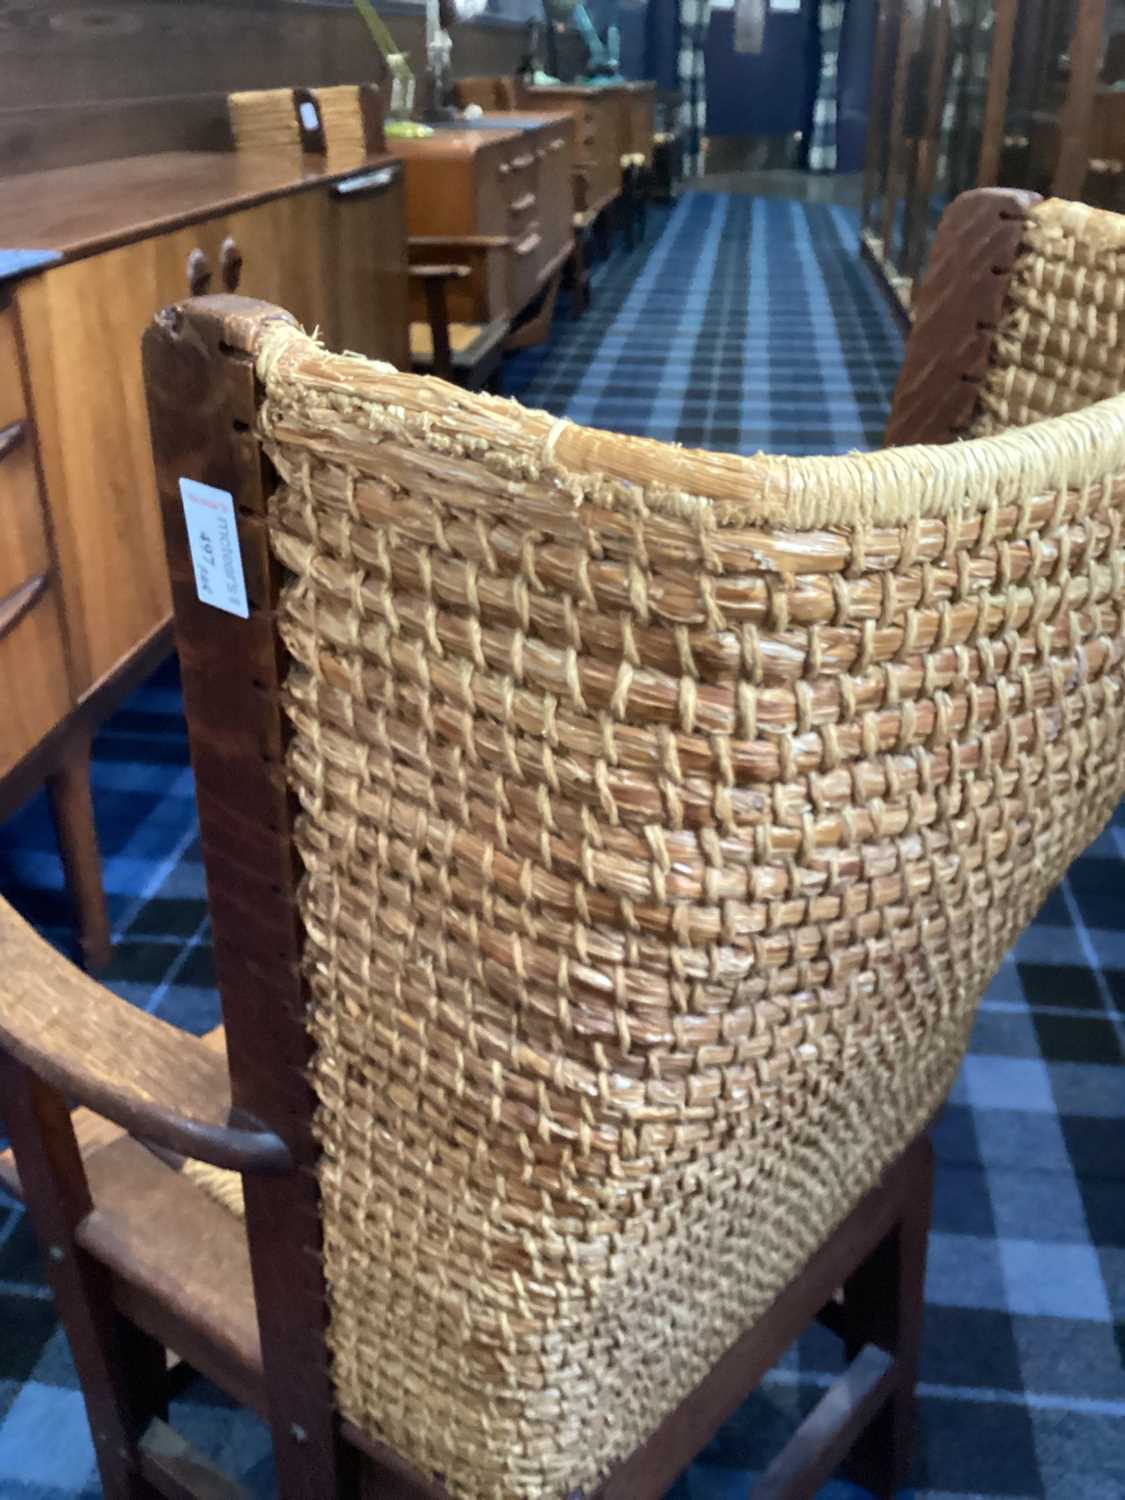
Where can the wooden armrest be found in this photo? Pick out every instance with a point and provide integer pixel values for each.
(160, 1084)
(439, 273)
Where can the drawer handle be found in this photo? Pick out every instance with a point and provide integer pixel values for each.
(557, 144)
(11, 437)
(15, 605)
(230, 264)
(198, 274)
(504, 168)
(529, 243)
(523, 203)
(365, 182)
(520, 162)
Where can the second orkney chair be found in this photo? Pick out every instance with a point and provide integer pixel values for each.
(607, 847)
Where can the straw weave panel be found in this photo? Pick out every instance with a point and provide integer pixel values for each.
(264, 120)
(1061, 342)
(663, 816)
(342, 118)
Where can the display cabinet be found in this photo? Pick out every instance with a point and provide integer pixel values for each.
(974, 93)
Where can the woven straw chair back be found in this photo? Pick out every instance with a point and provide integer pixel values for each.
(663, 816)
(264, 120)
(341, 114)
(1061, 344)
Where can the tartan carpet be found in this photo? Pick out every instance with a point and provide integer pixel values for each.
(740, 323)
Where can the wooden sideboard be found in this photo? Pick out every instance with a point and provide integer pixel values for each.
(597, 149)
(637, 114)
(612, 122)
(503, 189)
(84, 595)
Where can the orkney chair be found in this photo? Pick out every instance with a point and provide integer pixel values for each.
(607, 847)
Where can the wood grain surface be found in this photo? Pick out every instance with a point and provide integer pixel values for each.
(955, 314)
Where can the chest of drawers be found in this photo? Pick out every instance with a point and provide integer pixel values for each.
(637, 106)
(508, 189)
(84, 595)
(598, 134)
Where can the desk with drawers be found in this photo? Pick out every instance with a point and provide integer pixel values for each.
(612, 122)
(498, 187)
(84, 596)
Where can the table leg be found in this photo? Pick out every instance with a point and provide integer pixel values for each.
(72, 809)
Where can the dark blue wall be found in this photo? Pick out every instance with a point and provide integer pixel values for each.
(770, 93)
(857, 45)
(662, 43)
(632, 20)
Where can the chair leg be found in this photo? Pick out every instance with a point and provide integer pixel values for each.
(883, 1303)
(628, 204)
(122, 1371)
(72, 810)
(603, 231)
(644, 192)
(579, 276)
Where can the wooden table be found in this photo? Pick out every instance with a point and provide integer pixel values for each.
(84, 596)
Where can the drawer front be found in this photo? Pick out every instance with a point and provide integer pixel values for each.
(556, 192)
(527, 264)
(506, 178)
(598, 151)
(23, 528)
(13, 405)
(33, 673)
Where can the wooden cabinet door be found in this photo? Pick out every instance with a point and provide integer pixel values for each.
(335, 265)
(34, 682)
(336, 261)
(284, 255)
(365, 228)
(82, 326)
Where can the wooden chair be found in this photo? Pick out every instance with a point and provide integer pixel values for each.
(454, 274)
(607, 845)
(467, 354)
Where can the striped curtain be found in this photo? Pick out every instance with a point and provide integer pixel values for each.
(822, 146)
(695, 16)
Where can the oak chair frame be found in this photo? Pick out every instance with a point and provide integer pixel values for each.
(140, 1260)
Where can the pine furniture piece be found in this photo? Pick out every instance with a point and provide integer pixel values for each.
(607, 845)
(982, 92)
(86, 606)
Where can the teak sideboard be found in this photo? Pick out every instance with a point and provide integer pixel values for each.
(84, 594)
(612, 121)
(505, 186)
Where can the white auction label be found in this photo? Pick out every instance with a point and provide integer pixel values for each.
(213, 539)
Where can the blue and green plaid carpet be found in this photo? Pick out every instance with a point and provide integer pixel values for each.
(740, 324)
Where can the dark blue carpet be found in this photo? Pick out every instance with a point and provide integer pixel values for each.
(740, 324)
